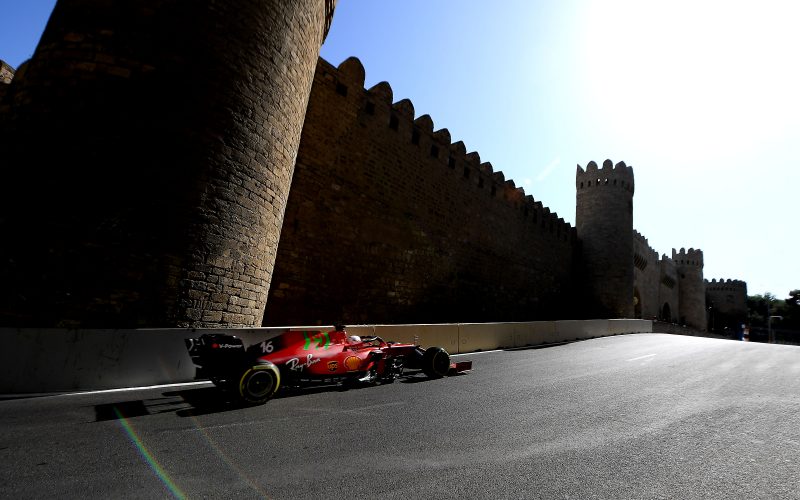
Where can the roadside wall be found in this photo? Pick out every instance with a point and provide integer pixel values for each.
(676, 329)
(645, 278)
(54, 360)
(389, 221)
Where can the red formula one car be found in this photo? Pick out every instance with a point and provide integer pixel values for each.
(306, 357)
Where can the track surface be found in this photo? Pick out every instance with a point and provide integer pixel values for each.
(632, 416)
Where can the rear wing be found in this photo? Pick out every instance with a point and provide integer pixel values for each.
(216, 355)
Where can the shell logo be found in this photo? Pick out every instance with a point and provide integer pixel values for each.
(352, 363)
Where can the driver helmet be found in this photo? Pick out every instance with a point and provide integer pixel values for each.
(354, 339)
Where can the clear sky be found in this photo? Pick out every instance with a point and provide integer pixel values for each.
(701, 97)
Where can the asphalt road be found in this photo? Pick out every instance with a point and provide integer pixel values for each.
(632, 416)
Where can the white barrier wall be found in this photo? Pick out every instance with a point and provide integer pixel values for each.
(444, 335)
(51, 360)
(54, 360)
(617, 326)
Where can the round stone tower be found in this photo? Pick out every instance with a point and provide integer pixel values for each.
(6, 73)
(726, 303)
(604, 223)
(691, 288)
(148, 152)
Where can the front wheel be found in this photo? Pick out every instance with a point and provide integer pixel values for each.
(259, 383)
(435, 362)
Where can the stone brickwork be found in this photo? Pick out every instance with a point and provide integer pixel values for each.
(726, 301)
(692, 301)
(657, 286)
(148, 154)
(646, 278)
(622, 276)
(390, 221)
(604, 222)
(6, 73)
(668, 292)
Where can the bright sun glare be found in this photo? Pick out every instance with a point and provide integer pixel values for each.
(718, 78)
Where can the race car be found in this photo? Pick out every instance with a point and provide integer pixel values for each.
(306, 357)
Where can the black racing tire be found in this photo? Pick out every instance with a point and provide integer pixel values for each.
(259, 383)
(435, 362)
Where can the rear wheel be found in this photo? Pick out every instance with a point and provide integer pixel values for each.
(435, 362)
(259, 383)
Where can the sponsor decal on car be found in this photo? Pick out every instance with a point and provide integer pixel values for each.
(352, 363)
(333, 365)
(216, 345)
(295, 365)
(321, 339)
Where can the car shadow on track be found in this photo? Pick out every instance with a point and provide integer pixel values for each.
(206, 400)
(184, 403)
(214, 400)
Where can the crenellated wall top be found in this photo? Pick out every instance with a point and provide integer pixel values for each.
(348, 80)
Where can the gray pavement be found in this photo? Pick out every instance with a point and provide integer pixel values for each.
(632, 416)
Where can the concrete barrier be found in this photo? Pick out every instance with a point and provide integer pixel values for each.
(485, 336)
(581, 329)
(61, 360)
(444, 335)
(534, 333)
(618, 326)
(54, 360)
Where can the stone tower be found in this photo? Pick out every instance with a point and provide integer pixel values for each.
(6, 73)
(726, 303)
(691, 288)
(148, 150)
(604, 223)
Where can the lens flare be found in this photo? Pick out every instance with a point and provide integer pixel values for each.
(152, 462)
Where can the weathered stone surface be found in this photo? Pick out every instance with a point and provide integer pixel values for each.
(6, 73)
(138, 149)
(148, 151)
(389, 222)
(692, 291)
(604, 222)
(726, 301)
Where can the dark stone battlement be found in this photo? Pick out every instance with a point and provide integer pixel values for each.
(227, 176)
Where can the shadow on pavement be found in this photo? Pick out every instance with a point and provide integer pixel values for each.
(207, 400)
(184, 403)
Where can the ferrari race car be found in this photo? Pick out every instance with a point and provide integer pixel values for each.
(307, 357)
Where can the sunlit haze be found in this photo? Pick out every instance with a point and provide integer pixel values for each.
(701, 98)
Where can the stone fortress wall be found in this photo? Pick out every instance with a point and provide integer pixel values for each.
(726, 303)
(388, 220)
(729, 296)
(147, 185)
(669, 288)
(148, 152)
(6, 75)
(604, 218)
(692, 294)
(647, 283)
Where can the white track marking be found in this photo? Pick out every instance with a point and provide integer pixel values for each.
(109, 391)
(642, 357)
